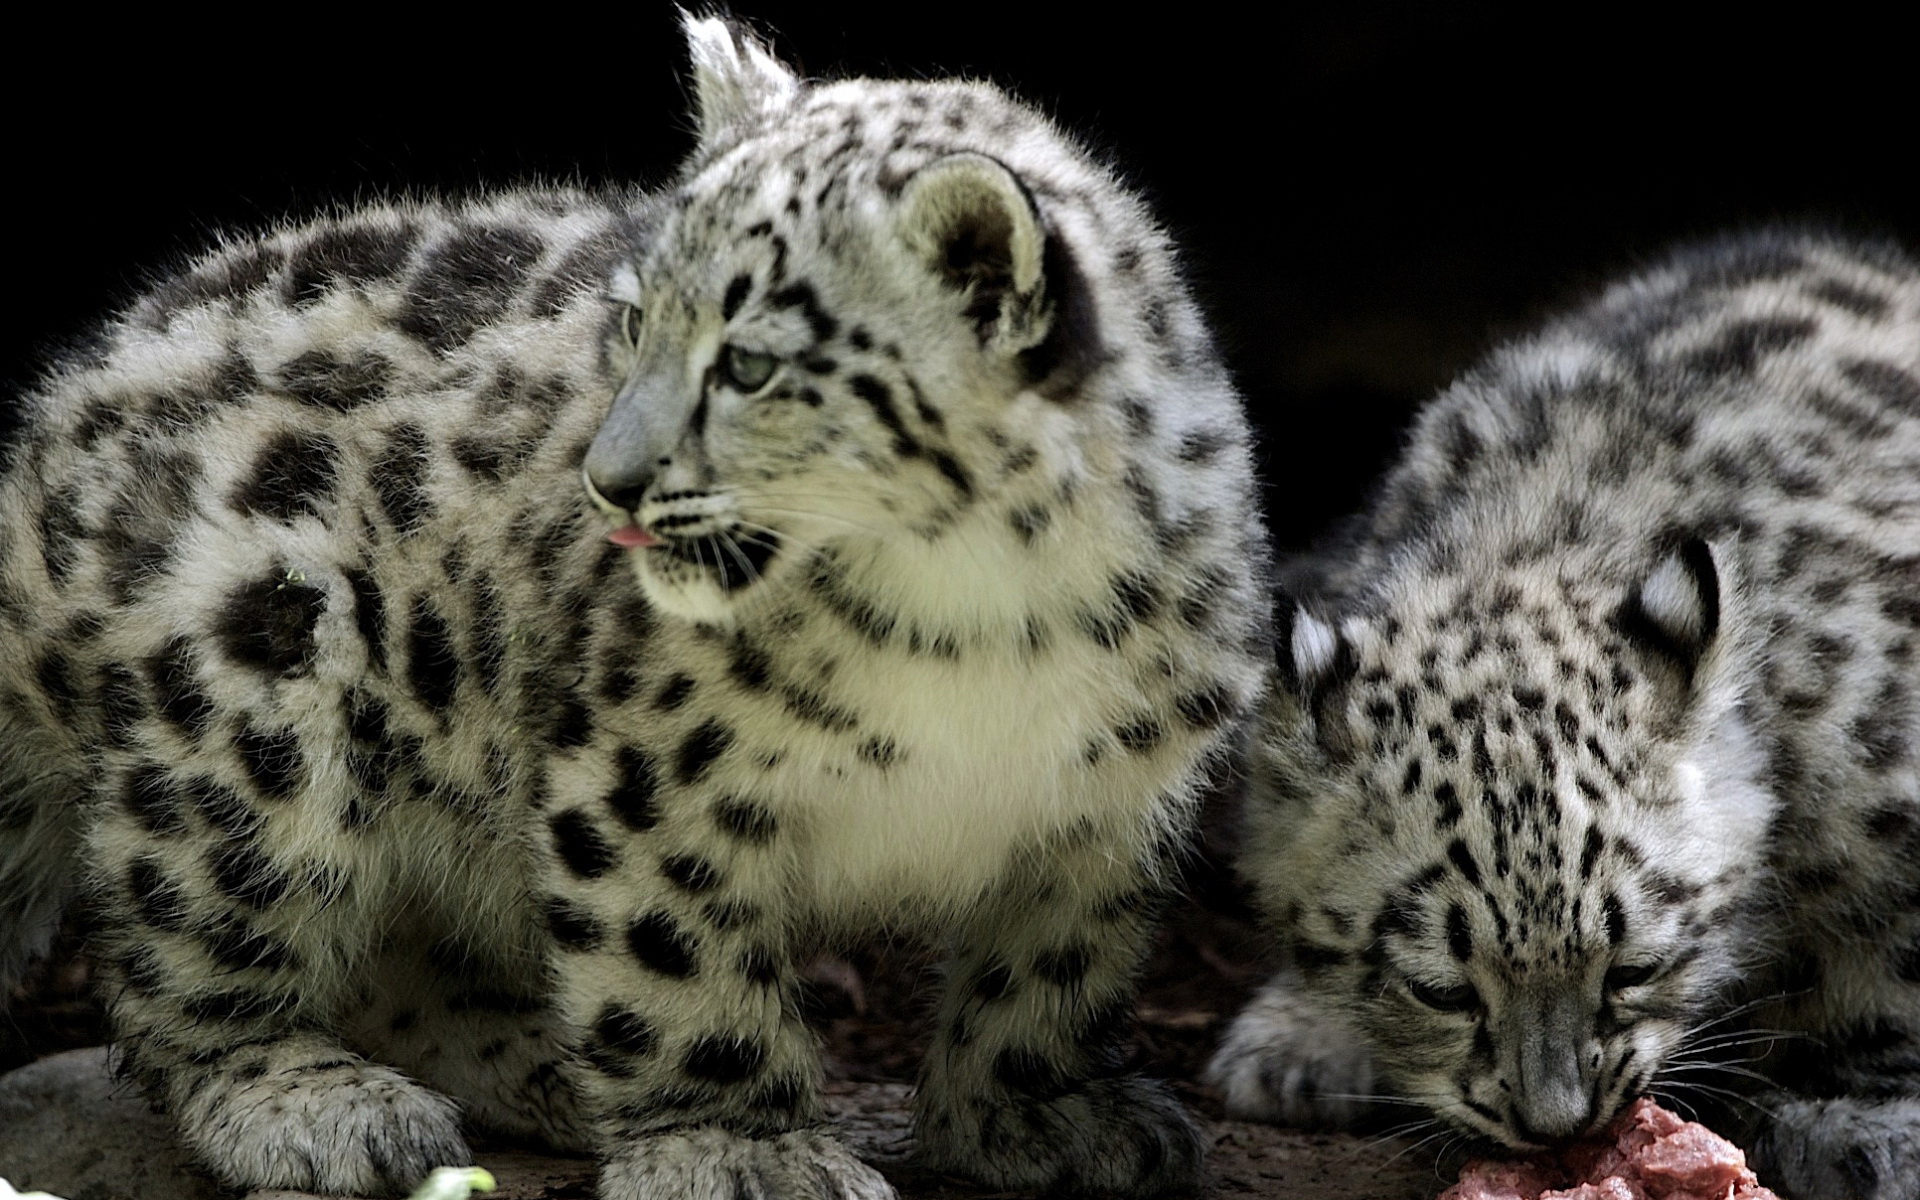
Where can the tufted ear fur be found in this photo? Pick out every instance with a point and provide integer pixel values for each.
(735, 76)
(1308, 649)
(1316, 662)
(1675, 612)
(972, 223)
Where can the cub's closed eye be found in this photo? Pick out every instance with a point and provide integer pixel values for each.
(1459, 997)
(630, 325)
(1631, 976)
(746, 370)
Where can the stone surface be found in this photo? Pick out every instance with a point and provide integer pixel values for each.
(68, 1127)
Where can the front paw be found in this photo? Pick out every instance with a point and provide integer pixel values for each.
(714, 1164)
(1281, 1062)
(1124, 1137)
(341, 1126)
(1843, 1149)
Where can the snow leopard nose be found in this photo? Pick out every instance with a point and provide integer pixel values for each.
(636, 442)
(621, 464)
(1553, 1124)
(1554, 1094)
(622, 490)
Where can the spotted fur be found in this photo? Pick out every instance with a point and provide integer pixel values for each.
(1600, 754)
(932, 602)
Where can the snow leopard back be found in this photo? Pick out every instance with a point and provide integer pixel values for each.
(924, 594)
(1608, 730)
(406, 362)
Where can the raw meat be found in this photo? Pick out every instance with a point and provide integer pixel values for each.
(1647, 1153)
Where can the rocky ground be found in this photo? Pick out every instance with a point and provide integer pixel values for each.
(68, 1128)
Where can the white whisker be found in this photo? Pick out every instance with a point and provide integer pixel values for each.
(726, 542)
(1439, 1133)
(1722, 1068)
(1668, 1099)
(1742, 1038)
(1372, 1098)
(811, 515)
(1730, 1094)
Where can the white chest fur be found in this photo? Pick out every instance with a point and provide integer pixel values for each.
(967, 756)
(993, 758)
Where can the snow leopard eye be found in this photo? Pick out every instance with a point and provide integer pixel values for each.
(1631, 976)
(1459, 997)
(630, 325)
(746, 371)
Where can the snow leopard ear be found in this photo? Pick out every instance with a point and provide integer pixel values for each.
(735, 76)
(1308, 650)
(972, 223)
(1316, 662)
(1675, 612)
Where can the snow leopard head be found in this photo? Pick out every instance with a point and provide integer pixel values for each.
(834, 306)
(1508, 819)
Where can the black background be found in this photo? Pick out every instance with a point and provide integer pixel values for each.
(1368, 194)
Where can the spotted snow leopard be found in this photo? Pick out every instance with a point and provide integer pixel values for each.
(1597, 749)
(923, 593)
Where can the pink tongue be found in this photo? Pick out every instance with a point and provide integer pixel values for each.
(630, 536)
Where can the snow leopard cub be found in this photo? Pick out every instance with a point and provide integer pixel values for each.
(407, 791)
(1602, 751)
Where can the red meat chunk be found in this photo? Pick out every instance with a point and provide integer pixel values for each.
(1647, 1153)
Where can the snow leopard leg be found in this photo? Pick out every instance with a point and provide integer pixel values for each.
(1850, 1125)
(675, 974)
(1022, 1087)
(1849, 1148)
(478, 1029)
(1845, 1118)
(38, 811)
(226, 958)
(1285, 1061)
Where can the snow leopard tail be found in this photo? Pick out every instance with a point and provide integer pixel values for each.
(38, 835)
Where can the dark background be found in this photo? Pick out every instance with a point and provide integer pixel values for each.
(1369, 195)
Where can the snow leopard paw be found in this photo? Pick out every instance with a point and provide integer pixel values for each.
(1842, 1149)
(1282, 1063)
(715, 1164)
(337, 1125)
